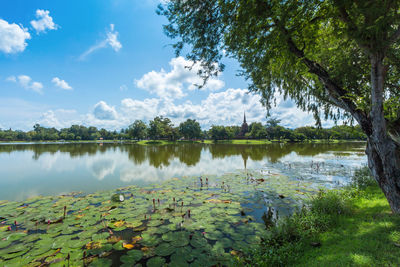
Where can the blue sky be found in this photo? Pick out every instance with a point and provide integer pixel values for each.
(107, 63)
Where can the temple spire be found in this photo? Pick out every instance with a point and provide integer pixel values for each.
(244, 117)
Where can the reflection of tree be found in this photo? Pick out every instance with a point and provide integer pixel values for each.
(136, 153)
(274, 152)
(74, 150)
(160, 156)
(189, 153)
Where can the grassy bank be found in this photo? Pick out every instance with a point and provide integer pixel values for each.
(348, 227)
(166, 142)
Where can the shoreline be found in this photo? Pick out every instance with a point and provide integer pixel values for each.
(165, 142)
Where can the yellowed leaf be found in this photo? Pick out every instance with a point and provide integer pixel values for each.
(119, 223)
(128, 246)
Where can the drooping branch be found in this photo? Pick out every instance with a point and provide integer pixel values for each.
(336, 93)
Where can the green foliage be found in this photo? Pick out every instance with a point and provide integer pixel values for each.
(162, 128)
(329, 213)
(137, 130)
(277, 43)
(362, 178)
(190, 129)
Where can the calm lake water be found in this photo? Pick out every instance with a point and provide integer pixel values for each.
(28, 170)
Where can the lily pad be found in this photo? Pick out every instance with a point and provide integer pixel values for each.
(165, 249)
(155, 262)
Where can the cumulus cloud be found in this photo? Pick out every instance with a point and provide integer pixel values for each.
(61, 83)
(12, 37)
(59, 118)
(111, 40)
(102, 111)
(145, 109)
(26, 82)
(44, 22)
(170, 85)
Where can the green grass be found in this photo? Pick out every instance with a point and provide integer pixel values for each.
(352, 227)
(366, 237)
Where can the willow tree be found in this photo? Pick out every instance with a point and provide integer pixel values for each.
(334, 58)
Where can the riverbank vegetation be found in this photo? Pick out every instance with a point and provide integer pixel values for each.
(353, 226)
(162, 130)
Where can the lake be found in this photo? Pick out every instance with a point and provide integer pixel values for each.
(28, 170)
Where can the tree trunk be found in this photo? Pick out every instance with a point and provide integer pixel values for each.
(386, 169)
(383, 153)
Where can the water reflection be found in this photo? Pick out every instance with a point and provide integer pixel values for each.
(56, 168)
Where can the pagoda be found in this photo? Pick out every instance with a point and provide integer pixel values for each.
(245, 128)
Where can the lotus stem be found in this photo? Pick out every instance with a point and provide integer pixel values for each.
(154, 203)
(158, 200)
(189, 213)
(65, 211)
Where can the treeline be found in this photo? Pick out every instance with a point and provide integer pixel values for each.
(162, 128)
(273, 131)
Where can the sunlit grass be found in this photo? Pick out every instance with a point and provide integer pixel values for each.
(365, 234)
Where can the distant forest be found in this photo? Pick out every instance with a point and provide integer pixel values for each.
(162, 128)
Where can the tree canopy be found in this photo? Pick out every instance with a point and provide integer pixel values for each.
(336, 58)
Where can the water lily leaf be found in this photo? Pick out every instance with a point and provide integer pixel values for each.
(225, 242)
(165, 249)
(78, 243)
(5, 243)
(198, 241)
(135, 254)
(214, 235)
(119, 245)
(180, 239)
(16, 236)
(183, 253)
(155, 262)
(149, 240)
(101, 236)
(100, 262)
(100, 249)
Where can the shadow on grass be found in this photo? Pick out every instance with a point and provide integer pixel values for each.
(369, 237)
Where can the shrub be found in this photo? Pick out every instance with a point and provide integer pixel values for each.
(362, 178)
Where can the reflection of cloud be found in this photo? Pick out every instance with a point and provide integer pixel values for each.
(100, 168)
(47, 160)
(207, 165)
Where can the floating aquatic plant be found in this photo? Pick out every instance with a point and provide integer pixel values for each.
(179, 222)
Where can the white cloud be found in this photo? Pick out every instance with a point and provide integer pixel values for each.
(12, 37)
(59, 118)
(102, 111)
(170, 85)
(110, 40)
(61, 83)
(44, 21)
(123, 87)
(143, 110)
(26, 82)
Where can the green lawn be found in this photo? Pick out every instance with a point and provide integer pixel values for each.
(352, 226)
(369, 236)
